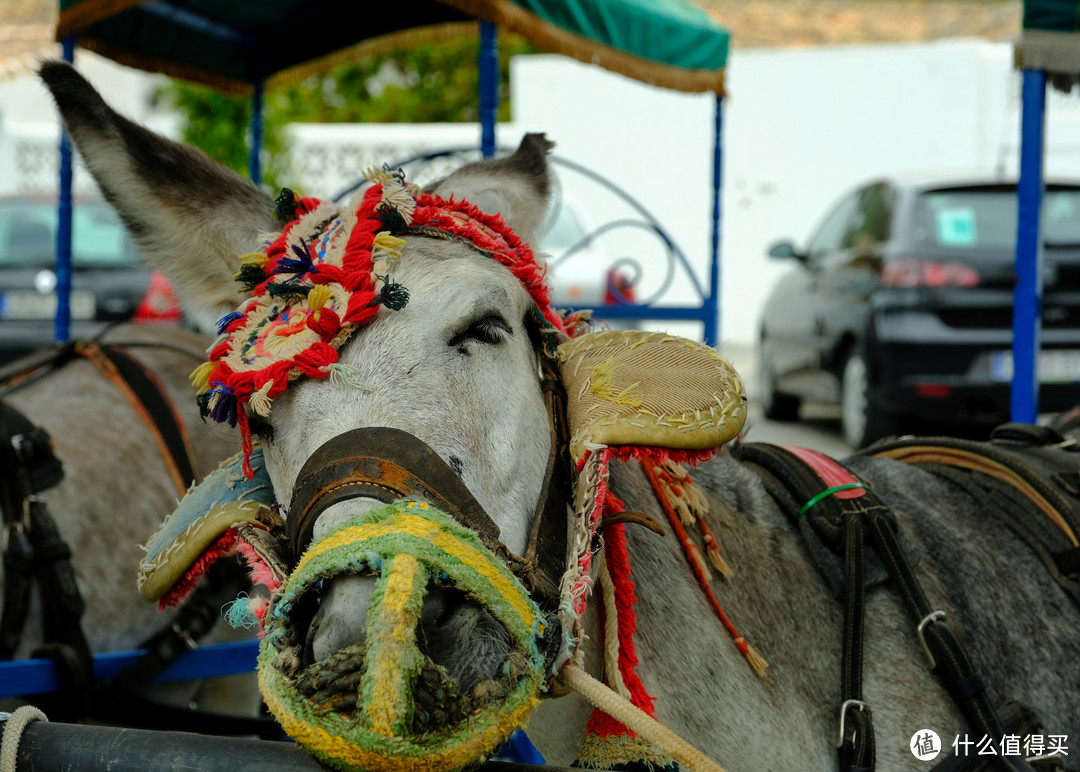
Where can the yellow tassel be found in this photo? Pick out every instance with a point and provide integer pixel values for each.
(757, 662)
(254, 258)
(718, 562)
(317, 299)
(700, 561)
(377, 176)
(200, 376)
(386, 246)
(260, 400)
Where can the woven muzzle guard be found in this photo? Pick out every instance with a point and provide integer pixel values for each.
(411, 547)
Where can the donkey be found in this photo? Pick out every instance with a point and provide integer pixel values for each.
(116, 482)
(459, 366)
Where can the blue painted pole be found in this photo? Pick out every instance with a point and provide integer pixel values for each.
(489, 87)
(1027, 295)
(711, 308)
(62, 321)
(254, 153)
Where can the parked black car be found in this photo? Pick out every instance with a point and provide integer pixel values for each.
(109, 282)
(901, 307)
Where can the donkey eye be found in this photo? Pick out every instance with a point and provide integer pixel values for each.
(492, 328)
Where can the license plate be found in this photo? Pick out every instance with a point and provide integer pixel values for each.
(1053, 366)
(28, 304)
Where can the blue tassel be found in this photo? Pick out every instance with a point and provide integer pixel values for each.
(301, 263)
(226, 320)
(238, 614)
(223, 410)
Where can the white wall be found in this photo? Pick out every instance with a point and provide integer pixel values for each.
(800, 127)
(29, 126)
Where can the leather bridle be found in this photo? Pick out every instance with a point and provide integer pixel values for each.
(389, 464)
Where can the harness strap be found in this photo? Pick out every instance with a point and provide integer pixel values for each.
(148, 398)
(859, 518)
(834, 502)
(385, 464)
(546, 550)
(117, 699)
(33, 548)
(1020, 463)
(388, 464)
(36, 551)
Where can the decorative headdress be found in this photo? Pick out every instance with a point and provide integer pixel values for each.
(327, 274)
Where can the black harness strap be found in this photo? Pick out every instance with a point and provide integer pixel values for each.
(1021, 462)
(846, 525)
(840, 524)
(135, 381)
(35, 551)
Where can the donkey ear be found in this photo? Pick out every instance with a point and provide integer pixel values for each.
(518, 187)
(190, 216)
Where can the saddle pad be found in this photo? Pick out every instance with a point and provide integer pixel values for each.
(224, 499)
(627, 387)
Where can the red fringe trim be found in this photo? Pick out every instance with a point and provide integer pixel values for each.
(224, 546)
(618, 563)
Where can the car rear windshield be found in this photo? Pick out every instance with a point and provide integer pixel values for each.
(28, 236)
(986, 219)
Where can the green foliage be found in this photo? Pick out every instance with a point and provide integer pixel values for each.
(219, 125)
(431, 83)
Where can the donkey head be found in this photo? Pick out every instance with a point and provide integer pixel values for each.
(456, 367)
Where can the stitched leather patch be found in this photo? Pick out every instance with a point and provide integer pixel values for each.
(626, 387)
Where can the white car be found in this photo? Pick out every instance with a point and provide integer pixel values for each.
(580, 272)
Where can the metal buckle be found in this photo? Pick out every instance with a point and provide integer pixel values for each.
(185, 636)
(931, 617)
(19, 527)
(843, 715)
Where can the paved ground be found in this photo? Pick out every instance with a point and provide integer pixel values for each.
(818, 427)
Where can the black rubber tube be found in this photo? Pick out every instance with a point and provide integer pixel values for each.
(49, 746)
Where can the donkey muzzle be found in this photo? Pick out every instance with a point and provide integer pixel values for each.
(381, 702)
(412, 548)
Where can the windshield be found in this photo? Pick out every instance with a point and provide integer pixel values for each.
(986, 219)
(28, 236)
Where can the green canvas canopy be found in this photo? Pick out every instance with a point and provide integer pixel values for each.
(1050, 40)
(232, 45)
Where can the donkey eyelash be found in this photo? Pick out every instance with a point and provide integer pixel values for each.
(490, 329)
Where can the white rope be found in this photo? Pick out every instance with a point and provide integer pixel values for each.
(611, 626)
(13, 732)
(637, 720)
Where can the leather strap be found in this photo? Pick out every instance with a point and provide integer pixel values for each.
(787, 471)
(388, 464)
(27, 466)
(151, 403)
(385, 464)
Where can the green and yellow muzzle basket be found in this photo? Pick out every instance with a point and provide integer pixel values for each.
(368, 717)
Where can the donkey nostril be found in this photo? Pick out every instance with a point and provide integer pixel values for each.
(339, 622)
(463, 637)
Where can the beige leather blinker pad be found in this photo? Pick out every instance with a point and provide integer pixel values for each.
(626, 387)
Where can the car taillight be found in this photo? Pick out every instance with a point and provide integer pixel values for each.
(928, 273)
(159, 304)
(619, 289)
